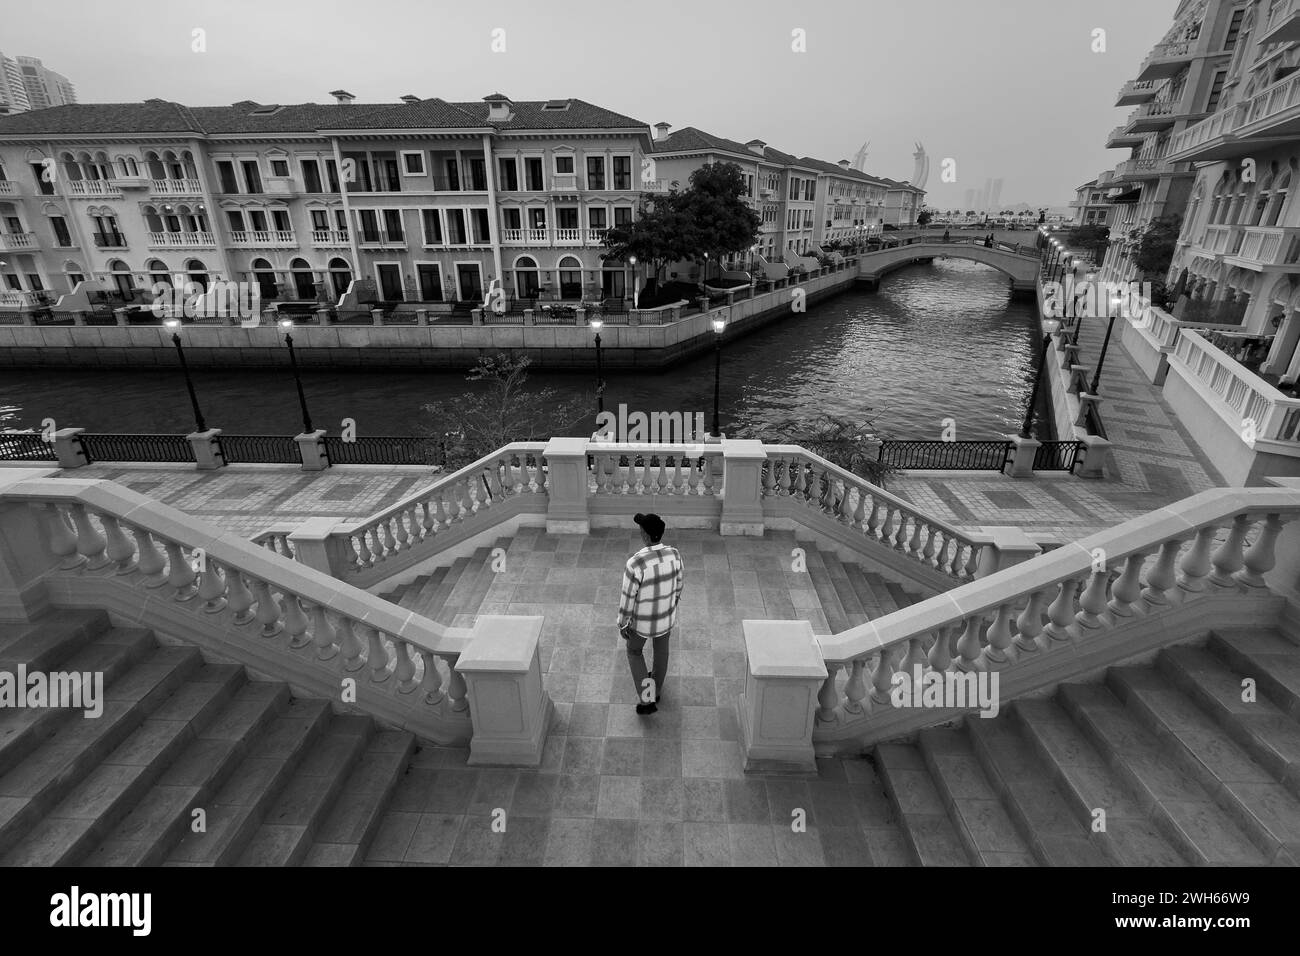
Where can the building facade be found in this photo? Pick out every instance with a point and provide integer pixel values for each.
(1092, 205)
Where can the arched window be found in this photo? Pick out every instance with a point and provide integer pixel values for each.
(340, 275)
(264, 276)
(154, 166)
(1217, 201)
(1277, 201)
(527, 281)
(304, 280)
(197, 272)
(570, 278)
(123, 281)
(157, 270)
(74, 273)
(1260, 203)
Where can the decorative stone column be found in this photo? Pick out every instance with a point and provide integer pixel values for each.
(376, 316)
(509, 708)
(476, 316)
(742, 484)
(421, 316)
(311, 448)
(323, 317)
(580, 317)
(1022, 458)
(784, 671)
(67, 449)
(566, 486)
(318, 543)
(1086, 401)
(207, 452)
(530, 317)
(1005, 546)
(1096, 451)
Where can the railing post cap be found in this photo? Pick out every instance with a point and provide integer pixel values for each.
(317, 435)
(782, 649)
(743, 448)
(209, 434)
(502, 643)
(317, 528)
(1094, 441)
(68, 432)
(565, 446)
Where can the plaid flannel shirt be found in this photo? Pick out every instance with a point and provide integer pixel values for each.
(652, 586)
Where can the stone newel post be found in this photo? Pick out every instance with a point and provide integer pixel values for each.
(67, 449)
(509, 708)
(24, 558)
(316, 545)
(566, 486)
(207, 452)
(742, 484)
(311, 448)
(783, 673)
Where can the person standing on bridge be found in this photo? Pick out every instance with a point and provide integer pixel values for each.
(652, 589)
(946, 235)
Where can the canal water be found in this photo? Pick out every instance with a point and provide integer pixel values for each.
(938, 341)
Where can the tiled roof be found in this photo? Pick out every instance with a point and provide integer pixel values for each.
(688, 139)
(529, 114)
(151, 116)
(432, 113)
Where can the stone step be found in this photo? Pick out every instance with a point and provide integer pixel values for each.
(1032, 798)
(986, 829)
(930, 834)
(1175, 802)
(431, 600)
(45, 643)
(1246, 791)
(112, 654)
(836, 619)
(1261, 728)
(358, 811)
(289, 827)
(901, 596)
(236, 810)
(100, 801)
(1271, 659)
(147, 834)
(844, 590)
(1086, 783)
(69, 756)
(870, 601)
(461, 597)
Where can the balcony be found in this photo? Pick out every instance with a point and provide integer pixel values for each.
(329, 237)
(1153, 117)
(1142, 167)
(1269, 118)
(1268, 247)
(1221, 240)
(15, 299)
(175, 187)
(97, 188)
(181, 240)
(1136, 91)
(568, 237)
(17, 241)
(564, 183)
(281, 187)
(275, 238)
(595, 237)
(109, 240)
(1122, 137)
(8, 187)
(1167, 59)
(1284, 25)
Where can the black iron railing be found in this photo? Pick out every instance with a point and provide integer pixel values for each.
(263, 449)
(982, 455)
(383, 450)
(1057, 455)
(106, 447)
(25, 446)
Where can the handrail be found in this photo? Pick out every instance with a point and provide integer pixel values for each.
(222, 579)
(1065, 596)
(1275, 416)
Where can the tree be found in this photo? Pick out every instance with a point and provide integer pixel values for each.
(716, 218)
(852, 445)
(656, 237)
(504, 411)
(1156, 246)
(1092, 237)
(923, 218)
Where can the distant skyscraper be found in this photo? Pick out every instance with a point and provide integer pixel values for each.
(969, 205)
(40, 88)
(995, 197)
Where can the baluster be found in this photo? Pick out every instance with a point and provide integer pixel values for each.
(1030, 623)
(1228, 558)
(859, 510)
(999, 639)
(295, 622)
(388, 544)
(1127, 587)
(914, 544)
(404, 667)
(679, 477)
(972, 562)
(403, 536)
(824, 497)
(428, 523)
(492, 487)
(1260, 559)
(240, 598)
(365, 557)
(1093, 600)
(90, 543)
(769, 478)
(322, 635)
(927, 553)
(828, 697)
(647, 475)
(969, 645)
(873, 523)
(900, 536)
(443, 520)
(855, 690)
(179, 573)
(456, 688)
(940, 656)
(887, 530)
(916, 660)
(431, 679)
(269, 611)
(882, 677)
(1161, 577)
(212, 588)
(62, 541)
(661, 479)
(608, 465)
(119, 548)
(1195, 565)
(941, 560)
(349, 646)
(377, 654)
(707, 468)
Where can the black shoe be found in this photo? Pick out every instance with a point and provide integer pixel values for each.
(646, 708)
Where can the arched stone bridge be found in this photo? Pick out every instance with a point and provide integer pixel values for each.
(1020, 262)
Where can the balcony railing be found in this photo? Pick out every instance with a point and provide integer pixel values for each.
(13, 241)
(175, 187)
(8, 187)
(329, 237)
(1284, 24)
(568, 237)
(181, 240)
(1263, 410)
(564, 182)
(1266, 109)
(262, 238)
(1156, 115)
(1136, 91)
(12, 298)
(1221, 240)
(110, 240)
(1269, 246)
(93, 187)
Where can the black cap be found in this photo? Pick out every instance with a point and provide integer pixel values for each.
(653, 525)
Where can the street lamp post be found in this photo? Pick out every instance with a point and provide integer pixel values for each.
(287, 324)
(175, 324)
(1050, 328)
(636, 293)
(1101, 359)
(597, 324)
(719, 326)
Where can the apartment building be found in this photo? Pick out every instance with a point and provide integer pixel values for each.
(1180, 82)
(902, 203)
(13, 94)
(422, 200)
(1238, 255)
(45, 87)
(1092, 205)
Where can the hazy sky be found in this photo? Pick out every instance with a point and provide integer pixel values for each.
(1006, 88)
